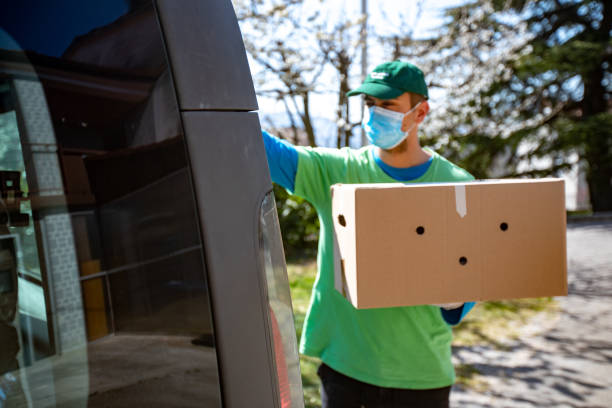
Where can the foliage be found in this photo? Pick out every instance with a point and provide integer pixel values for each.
(292, 45)
(299, 224)
(291, 66)
(528, 86)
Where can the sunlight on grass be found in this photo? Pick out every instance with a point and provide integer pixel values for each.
(489, 323)
(498, 322)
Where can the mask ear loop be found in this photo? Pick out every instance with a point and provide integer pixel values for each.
(413, 108)
(413, 124)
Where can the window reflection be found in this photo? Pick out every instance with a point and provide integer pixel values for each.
(103, 295)
(281, 313)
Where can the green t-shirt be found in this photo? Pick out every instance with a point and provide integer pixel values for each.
(401, 347)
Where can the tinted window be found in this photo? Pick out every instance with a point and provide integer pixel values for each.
(103, 291)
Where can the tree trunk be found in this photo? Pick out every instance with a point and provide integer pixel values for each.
(598, 147)
(294, 129)
(599, 173)
(307, 121)
(344, 131)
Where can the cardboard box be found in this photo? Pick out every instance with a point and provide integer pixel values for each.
(413, 244)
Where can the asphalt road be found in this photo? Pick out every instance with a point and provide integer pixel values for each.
(564, 361)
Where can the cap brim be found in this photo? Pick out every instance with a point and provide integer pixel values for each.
(380, 91)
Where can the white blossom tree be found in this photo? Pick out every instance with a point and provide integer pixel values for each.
(275, 39)
(528, 89)
(298, 50)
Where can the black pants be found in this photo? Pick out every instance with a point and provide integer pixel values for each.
(340, 391)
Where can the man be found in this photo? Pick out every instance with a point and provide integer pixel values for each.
(389, 357)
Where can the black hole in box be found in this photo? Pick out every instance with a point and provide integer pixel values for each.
(341, 220)
(463, 260)
(420, 230)
(503, 226)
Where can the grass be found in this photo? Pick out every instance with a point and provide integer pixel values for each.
(489, 323)
(497, 323)
(579, 212)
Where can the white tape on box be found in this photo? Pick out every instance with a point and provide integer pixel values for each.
(460, 201)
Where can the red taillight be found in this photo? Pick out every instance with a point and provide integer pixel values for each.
(281, 364)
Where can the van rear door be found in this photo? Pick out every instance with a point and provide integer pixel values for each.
(140, 256)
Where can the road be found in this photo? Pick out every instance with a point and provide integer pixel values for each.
(560, 362)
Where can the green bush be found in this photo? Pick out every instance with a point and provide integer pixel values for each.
(299, 224)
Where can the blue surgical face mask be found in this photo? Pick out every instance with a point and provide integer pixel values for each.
(383, 127)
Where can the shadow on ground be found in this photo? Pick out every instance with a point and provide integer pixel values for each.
(563, 362)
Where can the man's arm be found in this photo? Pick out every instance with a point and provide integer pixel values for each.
(304, 171)
(282, 160)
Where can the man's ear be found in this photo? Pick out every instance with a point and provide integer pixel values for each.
(422, 111)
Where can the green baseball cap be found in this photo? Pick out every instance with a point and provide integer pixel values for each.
(391, 79)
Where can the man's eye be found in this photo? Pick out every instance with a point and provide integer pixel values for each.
(369, 104)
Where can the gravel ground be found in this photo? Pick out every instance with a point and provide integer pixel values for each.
(564, 361)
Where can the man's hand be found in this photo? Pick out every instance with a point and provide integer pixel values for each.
(450, 306)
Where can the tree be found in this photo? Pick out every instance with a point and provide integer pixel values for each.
(296, 50)
(274, 38)
(339, 46)
(528, 87)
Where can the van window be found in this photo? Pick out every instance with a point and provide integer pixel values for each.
(103, 291)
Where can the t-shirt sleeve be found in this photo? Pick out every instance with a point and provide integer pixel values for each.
(318, 169)
(459, 174)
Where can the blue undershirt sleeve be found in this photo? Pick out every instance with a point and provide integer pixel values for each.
(454, 316)
(282, 161)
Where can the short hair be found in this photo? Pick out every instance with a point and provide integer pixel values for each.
(416, 98)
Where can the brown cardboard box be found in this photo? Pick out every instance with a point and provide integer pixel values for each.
(413, 244)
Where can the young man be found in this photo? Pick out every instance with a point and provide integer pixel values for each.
(389, 357)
